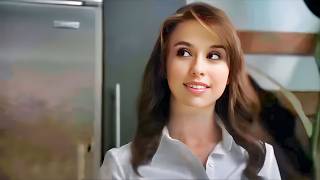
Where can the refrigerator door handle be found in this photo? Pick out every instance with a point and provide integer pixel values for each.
(57, 2)
(93, 3)
(117, 108)
(66, 24)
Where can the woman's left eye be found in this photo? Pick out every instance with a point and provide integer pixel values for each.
(214, 55)
(183, 52)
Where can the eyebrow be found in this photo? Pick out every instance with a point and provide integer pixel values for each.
(190, 45)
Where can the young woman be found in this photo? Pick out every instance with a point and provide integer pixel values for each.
(196, 108)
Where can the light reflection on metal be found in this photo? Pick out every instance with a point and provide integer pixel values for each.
(72, 3)
(66, 24)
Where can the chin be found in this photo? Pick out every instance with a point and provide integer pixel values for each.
(199, 104)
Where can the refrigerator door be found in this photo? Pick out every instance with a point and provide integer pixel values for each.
(50, 81)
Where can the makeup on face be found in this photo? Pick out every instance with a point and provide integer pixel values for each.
(197, 70)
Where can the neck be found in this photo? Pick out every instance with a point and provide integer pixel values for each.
(193, 125)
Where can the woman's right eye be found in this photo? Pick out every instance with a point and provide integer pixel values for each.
(183, 52)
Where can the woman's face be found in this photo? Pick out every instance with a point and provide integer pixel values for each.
(197, 69)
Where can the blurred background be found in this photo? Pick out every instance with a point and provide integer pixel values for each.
(70, 74)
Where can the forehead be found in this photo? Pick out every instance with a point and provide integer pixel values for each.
(193, 32)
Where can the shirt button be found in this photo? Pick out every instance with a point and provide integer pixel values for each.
(210, 164)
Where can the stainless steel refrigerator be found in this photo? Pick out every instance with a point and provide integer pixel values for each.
(50, 89)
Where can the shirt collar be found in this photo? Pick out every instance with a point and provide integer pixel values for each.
(222, 147)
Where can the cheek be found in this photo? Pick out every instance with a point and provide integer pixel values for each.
(171, 74)
(175, 71)
(219, 76)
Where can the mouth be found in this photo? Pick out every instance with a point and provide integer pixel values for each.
(196, 88)
(196, 85)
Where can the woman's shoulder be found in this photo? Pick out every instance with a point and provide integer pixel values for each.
(270, 168)
(121, 153)
(116, 163)
(270, 159)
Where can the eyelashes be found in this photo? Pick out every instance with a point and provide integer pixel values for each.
(183, 52)
(213, 55)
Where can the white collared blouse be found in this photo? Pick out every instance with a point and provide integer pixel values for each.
(174, 160)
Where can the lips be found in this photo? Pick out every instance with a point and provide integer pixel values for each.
(196, 85)
(196, 88)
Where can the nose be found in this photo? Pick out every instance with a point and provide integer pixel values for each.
(198, 67)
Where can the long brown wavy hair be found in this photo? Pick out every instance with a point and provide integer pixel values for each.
(238, 107)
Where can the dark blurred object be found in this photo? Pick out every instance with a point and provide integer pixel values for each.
(314, 6)
(280, 124)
